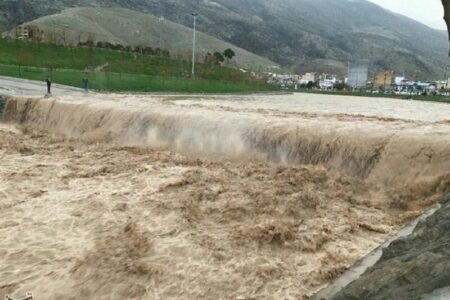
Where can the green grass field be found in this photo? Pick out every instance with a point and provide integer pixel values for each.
(122, 71)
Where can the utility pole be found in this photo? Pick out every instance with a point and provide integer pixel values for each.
(193, 44)
(446, 76)
(161, 21)
(348, 74)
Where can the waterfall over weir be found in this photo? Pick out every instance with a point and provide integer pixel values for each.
(383, 154)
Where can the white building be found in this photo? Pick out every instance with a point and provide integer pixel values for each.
(327, 81)
(358, 73)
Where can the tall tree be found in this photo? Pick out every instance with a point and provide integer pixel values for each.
(219, 58)
(229, 54)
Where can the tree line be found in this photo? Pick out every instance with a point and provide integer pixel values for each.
(217, 58)
(144, 50)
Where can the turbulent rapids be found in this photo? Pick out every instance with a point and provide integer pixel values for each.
(221, 197)
(386, 147)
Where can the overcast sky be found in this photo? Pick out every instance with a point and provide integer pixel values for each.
(429, 12)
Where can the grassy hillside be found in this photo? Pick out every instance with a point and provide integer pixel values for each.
(118, 71)
(323, 34)
(127, 27)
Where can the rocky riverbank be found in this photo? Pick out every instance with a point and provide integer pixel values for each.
(410, 268)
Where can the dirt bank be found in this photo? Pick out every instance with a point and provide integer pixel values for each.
(410, 268)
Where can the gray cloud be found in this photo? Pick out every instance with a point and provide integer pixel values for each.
(429, 12)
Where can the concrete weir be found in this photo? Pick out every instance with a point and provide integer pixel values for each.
(378, 150)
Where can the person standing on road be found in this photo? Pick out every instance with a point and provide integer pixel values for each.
(49, 85)
(85, 84)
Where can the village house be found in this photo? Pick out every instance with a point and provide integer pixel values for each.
(284, 80)
(29, 32)
(22, 32)
(327, 81)
(383, 80)
(308, 77)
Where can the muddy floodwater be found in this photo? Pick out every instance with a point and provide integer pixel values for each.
(329, 105)
(208, 197)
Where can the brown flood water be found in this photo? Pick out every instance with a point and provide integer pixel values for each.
(170, 197)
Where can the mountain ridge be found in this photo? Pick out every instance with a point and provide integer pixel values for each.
(306, 35)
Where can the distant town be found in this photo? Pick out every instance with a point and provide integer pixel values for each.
(382, 82)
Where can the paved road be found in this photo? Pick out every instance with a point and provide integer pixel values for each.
(22, 87)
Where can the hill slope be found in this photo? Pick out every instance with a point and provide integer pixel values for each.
(303, 33)
(127, 27)
(109, 70)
